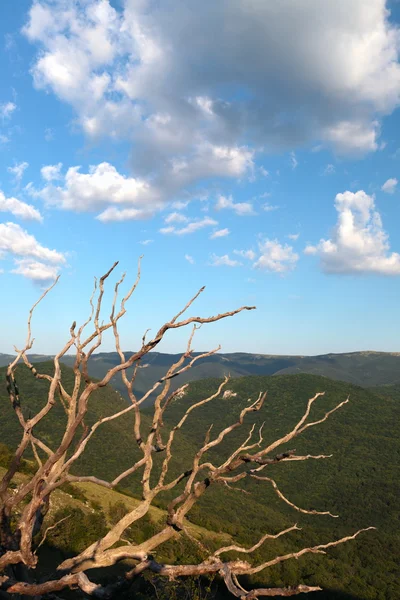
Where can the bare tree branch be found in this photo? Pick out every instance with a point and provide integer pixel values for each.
(23, 510)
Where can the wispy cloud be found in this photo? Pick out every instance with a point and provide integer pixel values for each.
(176, 217)
(249, 254)
(18, 170)
(329, 169)
(191, 227)
(7, 109)
(293, 160)
(390, 185)
(240, 208)
(223, 261)
(219, 233)
(270, 207)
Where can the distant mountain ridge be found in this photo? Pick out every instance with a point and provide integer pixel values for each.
(365, 368)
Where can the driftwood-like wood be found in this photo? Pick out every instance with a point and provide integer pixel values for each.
(28, 504)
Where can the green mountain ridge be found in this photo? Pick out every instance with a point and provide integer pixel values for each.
(365, 368)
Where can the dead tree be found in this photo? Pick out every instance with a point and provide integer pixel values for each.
(22, 509)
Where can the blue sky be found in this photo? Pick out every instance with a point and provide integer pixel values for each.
(252, 147)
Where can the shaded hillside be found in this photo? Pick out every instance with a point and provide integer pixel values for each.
(360, 482)
(103, 456)
(360, 368)
(391, 391)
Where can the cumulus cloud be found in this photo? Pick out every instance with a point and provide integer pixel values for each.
(7, 109)
(18, 171)
(390, 185)
(19, 209)
(51, 172)
(19, 242)
(191, 227)
(240, 208)
(219, 233)
(32, 259)
(35, 270)
(122, 197)
(359, 243)
(190, 89)
(276, 257)
(103, 187)
(223, 261)
(250, 254)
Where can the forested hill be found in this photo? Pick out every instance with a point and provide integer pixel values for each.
(361, 482)
(366, 369)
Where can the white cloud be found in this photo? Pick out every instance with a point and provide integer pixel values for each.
(359, 243)
(19, 208)
(31, 259)
(18, 171)
(240, 208)
(51, 172)
(176, 218)
(219, 233)
(189, 258)
(122, 197)
(35, 270)
(7, 109)
(113, 214)
(103, 187)
(353, 137)
(180, 204)
(191, 227)
(390, 185)
(276, 257)
(293, 160)
(4, 139)
(270, 207)
(249, 254)
(146, 242)
(223, 261)
(293, 236)
(174, 86)
(19, 242)
(329, 169)
(263, 171)
(49, 134)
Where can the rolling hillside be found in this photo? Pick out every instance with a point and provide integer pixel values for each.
(366, 369)
(360, 482)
